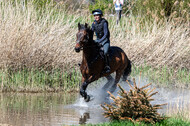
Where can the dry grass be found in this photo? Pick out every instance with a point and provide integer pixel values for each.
(26, 40)
(168, 45)
(48, 40)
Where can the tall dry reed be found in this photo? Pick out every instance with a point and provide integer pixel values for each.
(46, 38)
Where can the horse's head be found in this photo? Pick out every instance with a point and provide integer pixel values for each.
(83, 36)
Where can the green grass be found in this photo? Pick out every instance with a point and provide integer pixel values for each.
(164, 76)
(39, 80)
(168, 122)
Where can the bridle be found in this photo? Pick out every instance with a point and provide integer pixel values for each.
(81, 47)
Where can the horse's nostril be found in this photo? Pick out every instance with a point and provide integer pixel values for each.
(77, 49)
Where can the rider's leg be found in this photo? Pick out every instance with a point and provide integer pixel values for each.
(118, 13)
(106, 48)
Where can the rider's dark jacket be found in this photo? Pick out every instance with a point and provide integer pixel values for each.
(101, 30)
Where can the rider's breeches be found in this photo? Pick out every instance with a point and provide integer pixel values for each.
(106, 48)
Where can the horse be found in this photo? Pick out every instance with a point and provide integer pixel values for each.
(92, 66)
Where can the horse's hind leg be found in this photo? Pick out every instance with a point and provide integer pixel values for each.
(117, 78)
(127, 71)
(110, 80)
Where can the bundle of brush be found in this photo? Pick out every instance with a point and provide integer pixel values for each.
(134, 105)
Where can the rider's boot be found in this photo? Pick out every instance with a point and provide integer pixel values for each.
(107, 67)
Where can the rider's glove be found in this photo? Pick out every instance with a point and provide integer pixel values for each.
(98, 42)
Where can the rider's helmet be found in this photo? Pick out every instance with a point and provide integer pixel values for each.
(97, 12)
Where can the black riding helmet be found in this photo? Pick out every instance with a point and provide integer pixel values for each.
(97, 12)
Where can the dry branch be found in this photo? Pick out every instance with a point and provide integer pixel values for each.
(133, 105)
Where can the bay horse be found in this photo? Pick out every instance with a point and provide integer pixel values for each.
(92, 66)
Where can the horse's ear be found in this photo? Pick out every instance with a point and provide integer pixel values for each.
(86, 25)
(79, 26)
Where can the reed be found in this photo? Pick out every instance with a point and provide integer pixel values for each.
(164, 76)
(39, 37)
(45, 37)
(39, 80)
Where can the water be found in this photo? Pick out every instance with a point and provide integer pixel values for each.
(57, 109)
(47, 109)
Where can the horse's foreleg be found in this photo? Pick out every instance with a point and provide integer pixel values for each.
(83, 89)
(85, 83)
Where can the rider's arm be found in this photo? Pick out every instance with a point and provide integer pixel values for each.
(105, 32)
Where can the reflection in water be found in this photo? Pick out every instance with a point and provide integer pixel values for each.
(83, 119)
(47, 109)
(36, 109)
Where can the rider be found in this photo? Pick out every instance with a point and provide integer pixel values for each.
(100, 27)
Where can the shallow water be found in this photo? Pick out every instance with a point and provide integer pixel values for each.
(70, 109)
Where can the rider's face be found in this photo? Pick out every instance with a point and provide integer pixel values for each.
(97, 17)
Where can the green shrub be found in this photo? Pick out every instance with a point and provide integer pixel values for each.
(150, 9)
(104, 5)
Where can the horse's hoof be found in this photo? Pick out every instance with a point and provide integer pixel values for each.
(87, 99)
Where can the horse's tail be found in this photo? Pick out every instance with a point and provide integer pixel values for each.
(127, 71)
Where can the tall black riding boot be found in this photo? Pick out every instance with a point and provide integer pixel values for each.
(107, 67)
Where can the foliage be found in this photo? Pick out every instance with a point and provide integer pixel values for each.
(104, 5)
(107, 6)
(134, 105)
(151, 9)
(161, 8)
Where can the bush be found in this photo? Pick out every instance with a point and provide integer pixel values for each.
(134, 105)
(161, 8)
(150, 9)
(104, 5)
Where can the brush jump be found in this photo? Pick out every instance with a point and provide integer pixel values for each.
(92, 66)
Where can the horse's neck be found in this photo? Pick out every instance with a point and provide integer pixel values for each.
(89, 52)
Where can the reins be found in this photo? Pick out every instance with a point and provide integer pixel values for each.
(88, 47)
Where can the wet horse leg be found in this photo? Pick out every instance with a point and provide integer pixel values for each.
(85, 83)
(110, 79)
(117, 78)
(83, 89)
